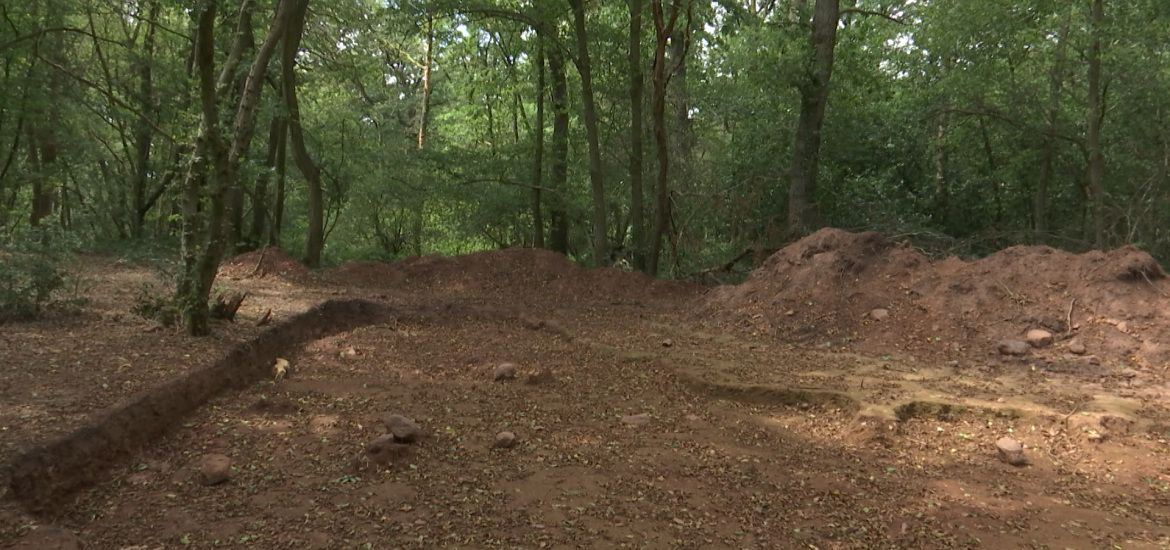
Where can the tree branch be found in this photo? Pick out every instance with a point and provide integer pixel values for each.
(860, 11)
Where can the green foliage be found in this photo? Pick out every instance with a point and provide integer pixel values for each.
(32, 274)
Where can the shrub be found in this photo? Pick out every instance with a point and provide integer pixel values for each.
(32, 276)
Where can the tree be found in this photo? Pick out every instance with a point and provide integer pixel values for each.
(596, 174)
(814, 98)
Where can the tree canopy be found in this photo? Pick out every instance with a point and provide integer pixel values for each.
(676, 135)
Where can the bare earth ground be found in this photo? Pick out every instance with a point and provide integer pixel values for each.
(639, 426)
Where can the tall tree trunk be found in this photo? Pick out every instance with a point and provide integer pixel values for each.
(143, 132)
(246, 42)
(814, 97)
(558, 217)
(217, 163)
(277, 130)
(428, 60)
(942, 187)
(312, 174)
(1047, 163)
(592, 134)
(538, 151)
(42, 145)
(663, 28)
(281, 165)
(637, 155)
(1096, 120)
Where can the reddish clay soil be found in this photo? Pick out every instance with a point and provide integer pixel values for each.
(646, 414)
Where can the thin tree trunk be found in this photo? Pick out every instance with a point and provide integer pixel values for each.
(814, 97)
(538, 152)
(312, 174)
(281, 165)
(143, 132)
(558, 218)
(1047, 164)
(204, 232)
(592, 135)
(663, 28)
(942, 188)
(1096, 119)
(424, 117)
(637, 155)
(260, 210)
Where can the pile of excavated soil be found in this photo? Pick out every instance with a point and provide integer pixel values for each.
(518, 273)
(269, 261)
(862, 291)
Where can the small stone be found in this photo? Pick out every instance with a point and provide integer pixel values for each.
(1038, 338)
(1094, 360)
(403, 429)
(324, 423)
(542, 376)
(666, 343)
(386, 449)
(790, 312)
(505, 371)
(636, 420)
(1011, 451)
(505, 440)
(693, 418)
(348, 353)
(140, 479)
(215, 469)
(879, 314)
(1075, 347)
(1013, 347)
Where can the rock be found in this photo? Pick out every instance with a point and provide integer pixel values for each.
(879, 314)
(324, 423)
(348, 353)
(386, 450)
(1011, 451)
(403, 429)
(542, 376)
(636, 420)
(505, 371)
(140, 479)
(666, 343)
(1013, 347)
(505, 440)
(1075, 347)
(1038, 338)
(215, 469)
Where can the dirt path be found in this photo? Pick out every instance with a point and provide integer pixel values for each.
(638, 429)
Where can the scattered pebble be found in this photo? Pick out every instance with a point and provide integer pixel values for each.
(505, 371)
(215, 469)
(1038, 338)
(1075, 347)
(1013, 347)
(1011, 451)
(879, 314)
(505, 440)
(403, 429)
(636, 420)
(386, 449)
(542, 376)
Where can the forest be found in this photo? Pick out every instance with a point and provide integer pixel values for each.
(685, 274)
(669, 136)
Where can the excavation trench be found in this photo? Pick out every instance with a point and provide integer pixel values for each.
(43, 476)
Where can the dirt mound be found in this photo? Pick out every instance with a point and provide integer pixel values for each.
(863, 291)
(518, 273)
(267, 261)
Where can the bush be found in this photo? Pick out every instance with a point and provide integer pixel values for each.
(156, 305)
(31, 274)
